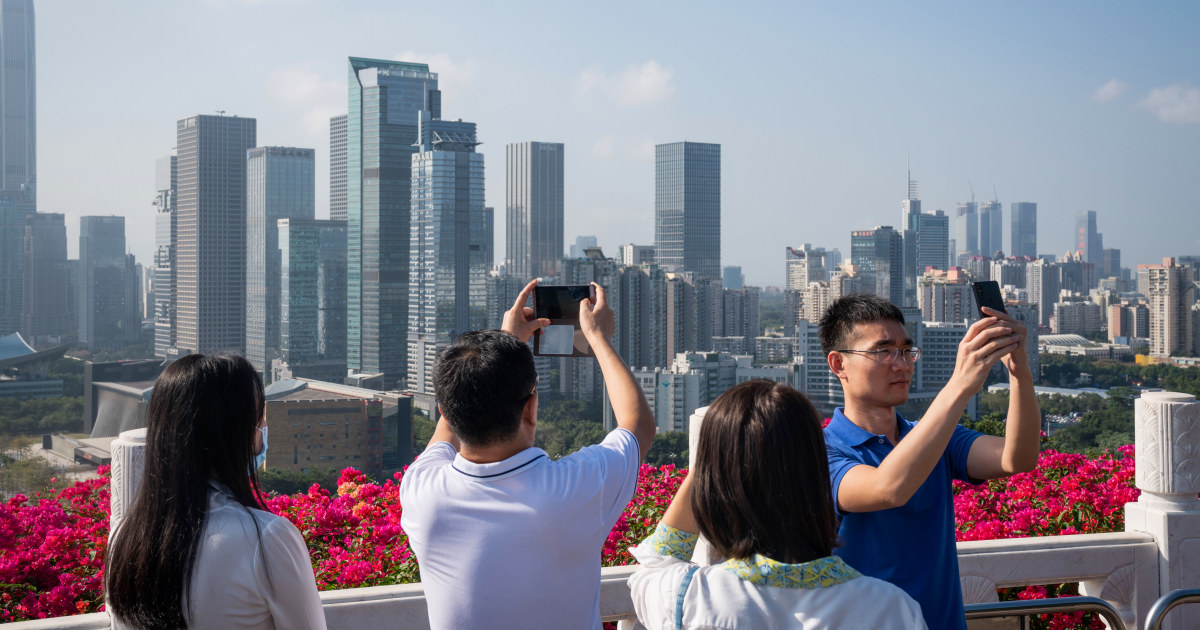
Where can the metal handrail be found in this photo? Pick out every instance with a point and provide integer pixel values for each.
(1163, 605)
(1028, 607)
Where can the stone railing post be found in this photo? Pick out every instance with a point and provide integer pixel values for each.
(128, 464)
(1167, 442)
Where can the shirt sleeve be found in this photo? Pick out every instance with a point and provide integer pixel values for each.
(291, 591)
(840, 462)
(654, 587)
(617, 460)
(958, 449)
(435, 455)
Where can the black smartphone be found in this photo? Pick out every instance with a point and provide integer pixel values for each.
(560, 304)
(987, 293)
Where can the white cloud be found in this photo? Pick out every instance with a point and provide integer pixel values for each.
(453, 76)
(638, 84)
(1174, 104)
(1110, 90)
(318, 98)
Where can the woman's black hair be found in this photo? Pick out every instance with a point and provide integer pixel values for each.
(202, 421)
(762, 476)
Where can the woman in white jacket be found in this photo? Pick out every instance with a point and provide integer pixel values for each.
(759, 493)
(197, 548)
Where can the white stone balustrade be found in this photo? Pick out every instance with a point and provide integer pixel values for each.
(1158, 552)
(128, 463)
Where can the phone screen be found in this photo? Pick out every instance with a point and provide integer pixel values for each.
(987, 293)
(560, 304)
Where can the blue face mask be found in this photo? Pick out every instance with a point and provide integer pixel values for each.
(261, 457)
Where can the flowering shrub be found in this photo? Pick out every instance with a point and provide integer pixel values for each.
(52, 548)
(52, 551)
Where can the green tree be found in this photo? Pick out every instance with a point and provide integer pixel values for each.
(287, 482)
(669, 447)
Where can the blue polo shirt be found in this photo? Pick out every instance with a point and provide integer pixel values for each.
(911, 546)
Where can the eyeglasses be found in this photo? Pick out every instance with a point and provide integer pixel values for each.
(888, 355)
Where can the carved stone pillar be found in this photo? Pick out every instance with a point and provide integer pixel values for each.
(1167, 435)
(128, 464)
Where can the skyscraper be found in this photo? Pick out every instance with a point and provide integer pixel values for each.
(18, 152)
(280, 184)
(45, 311)
(991, 228)
(687, 207)
(534, 200)
(933, 240)
(210, 230)
(385, 102)
(102, 283)
(164, 254)
(879, 253)
(1087, 238)
(448, 272)
(337, 167)
(312, 298)
(1023, 236)
(966, 230)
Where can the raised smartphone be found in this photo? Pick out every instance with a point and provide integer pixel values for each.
(560, 304)
(987, 293)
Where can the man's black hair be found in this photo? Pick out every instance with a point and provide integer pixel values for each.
(839, 320)
(482, 381)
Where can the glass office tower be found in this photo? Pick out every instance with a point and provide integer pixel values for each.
(385, 101)
(280, 184)
(18, 152)
(450, 244)
(534, 198)
(687, 207)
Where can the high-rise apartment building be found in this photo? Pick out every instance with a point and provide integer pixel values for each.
(641, 338)
(280, 184)
(945, 296)
(687, 208)
(18, 152)
(163, 309)
(695, 309)
(449, 267)
(1042, 280)
(991, 228)
(102, 283)
(44, 317)
(210, 230)
(635, 255)
(337, 167)
(1170, 294)
(1110, 263)
(385, 104)
(804, 266)
(312, 299)
(1088, 241)
(534, 199)
(1023, 235)
(879, 254)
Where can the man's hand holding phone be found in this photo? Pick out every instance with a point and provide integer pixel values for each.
(596, 319)
(519, 320)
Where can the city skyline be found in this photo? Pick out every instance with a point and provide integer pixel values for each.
(1088, 110)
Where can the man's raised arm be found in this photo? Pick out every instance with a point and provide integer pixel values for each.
(629, 404)
(992, 457)
(866, 488)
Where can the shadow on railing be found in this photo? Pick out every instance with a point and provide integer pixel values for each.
(1164, 604)
(1028, 607)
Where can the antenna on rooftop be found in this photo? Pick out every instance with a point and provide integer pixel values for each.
(912, 186)
(972, 187)
(220, 112)
(995, 195)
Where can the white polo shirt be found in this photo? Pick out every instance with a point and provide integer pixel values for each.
(516, 543)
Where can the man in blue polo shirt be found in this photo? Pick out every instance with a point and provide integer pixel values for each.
(891, 477)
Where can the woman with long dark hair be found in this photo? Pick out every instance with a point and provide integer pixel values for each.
(198, 549)
(759, 493)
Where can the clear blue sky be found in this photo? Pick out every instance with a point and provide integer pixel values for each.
(1074, 105)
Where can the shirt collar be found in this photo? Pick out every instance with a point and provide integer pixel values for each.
(498, 470)
(846, 431)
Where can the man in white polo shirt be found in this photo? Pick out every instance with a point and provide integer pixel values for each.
(505, 537)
